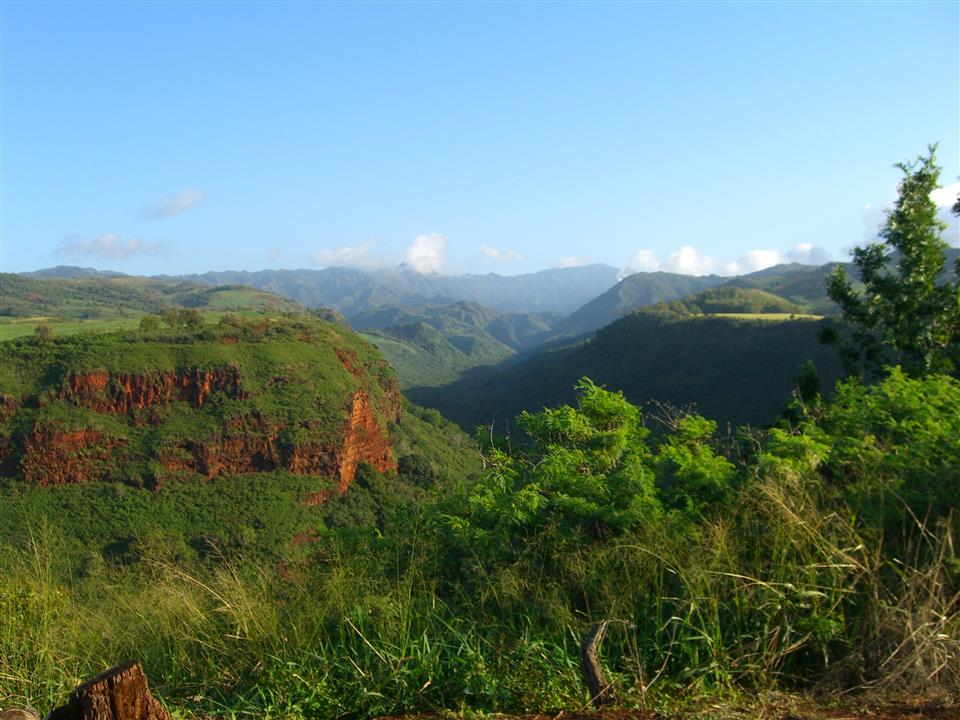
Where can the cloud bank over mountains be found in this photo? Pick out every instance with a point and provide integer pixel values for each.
(425, 254)
(358, 256)
(687, 260)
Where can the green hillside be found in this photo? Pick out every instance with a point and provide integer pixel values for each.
(733, 370)
(221, 439)
(803, 285)
(807, 286)
(517, 331)
(423, 356)
(298, 373)
(626, 296)
(434, 344)
(728, 299)
(95, 303)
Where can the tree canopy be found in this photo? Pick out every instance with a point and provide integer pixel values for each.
(908, 313)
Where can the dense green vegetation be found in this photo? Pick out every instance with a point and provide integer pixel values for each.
(303, 345)
(432, 345)
(819, 551)
(800, 284)
(626, 296)
(464, 324)
(734, 370)
(424, 357)
(260, 516)
(728, 299)
(434, 348)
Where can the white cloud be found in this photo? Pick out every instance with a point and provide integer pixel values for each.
(425, 254)
(108, 245)
(500, 255)
(357, 256)
(645, 261)
(807, 254)
(570, 261)
(687, 261)
(168, 207)
(752, 261)
(946, 196)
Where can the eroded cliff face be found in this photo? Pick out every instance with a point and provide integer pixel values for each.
(57, 457)
(251, 444)
(246, 442)
(118, 393)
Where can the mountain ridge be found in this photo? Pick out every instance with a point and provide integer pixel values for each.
(351, 291)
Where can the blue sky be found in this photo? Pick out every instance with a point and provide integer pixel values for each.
(184, 137)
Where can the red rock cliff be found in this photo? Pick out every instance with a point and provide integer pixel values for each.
(56, 457)
(247, 443)
(118, 393)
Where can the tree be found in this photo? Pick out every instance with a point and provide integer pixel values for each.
(150, 323)
(906, 315)
(586, 474)
(44, 333)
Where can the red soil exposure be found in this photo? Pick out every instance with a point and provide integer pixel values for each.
(8, 407)
(317, 498)
(118, 393)
(58, 457)
(229, 456)
(249, 443)
(350, 361)
(365, 441)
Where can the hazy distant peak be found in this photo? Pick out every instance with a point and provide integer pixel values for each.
(69, 272)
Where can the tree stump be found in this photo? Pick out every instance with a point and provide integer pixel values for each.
(19, 714)
(601, 693)
(120, 693)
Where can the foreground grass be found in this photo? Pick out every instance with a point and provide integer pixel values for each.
(370, 628)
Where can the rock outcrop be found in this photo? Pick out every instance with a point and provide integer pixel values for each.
(61, 457)
(294, 395)
(119, 393)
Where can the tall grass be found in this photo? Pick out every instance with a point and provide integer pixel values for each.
(779, 590)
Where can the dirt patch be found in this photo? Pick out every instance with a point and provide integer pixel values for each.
(785, 708)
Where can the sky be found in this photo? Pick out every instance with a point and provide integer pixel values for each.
(457, 138)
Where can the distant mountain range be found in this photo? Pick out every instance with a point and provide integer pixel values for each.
(352, 292)
(71, 272)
